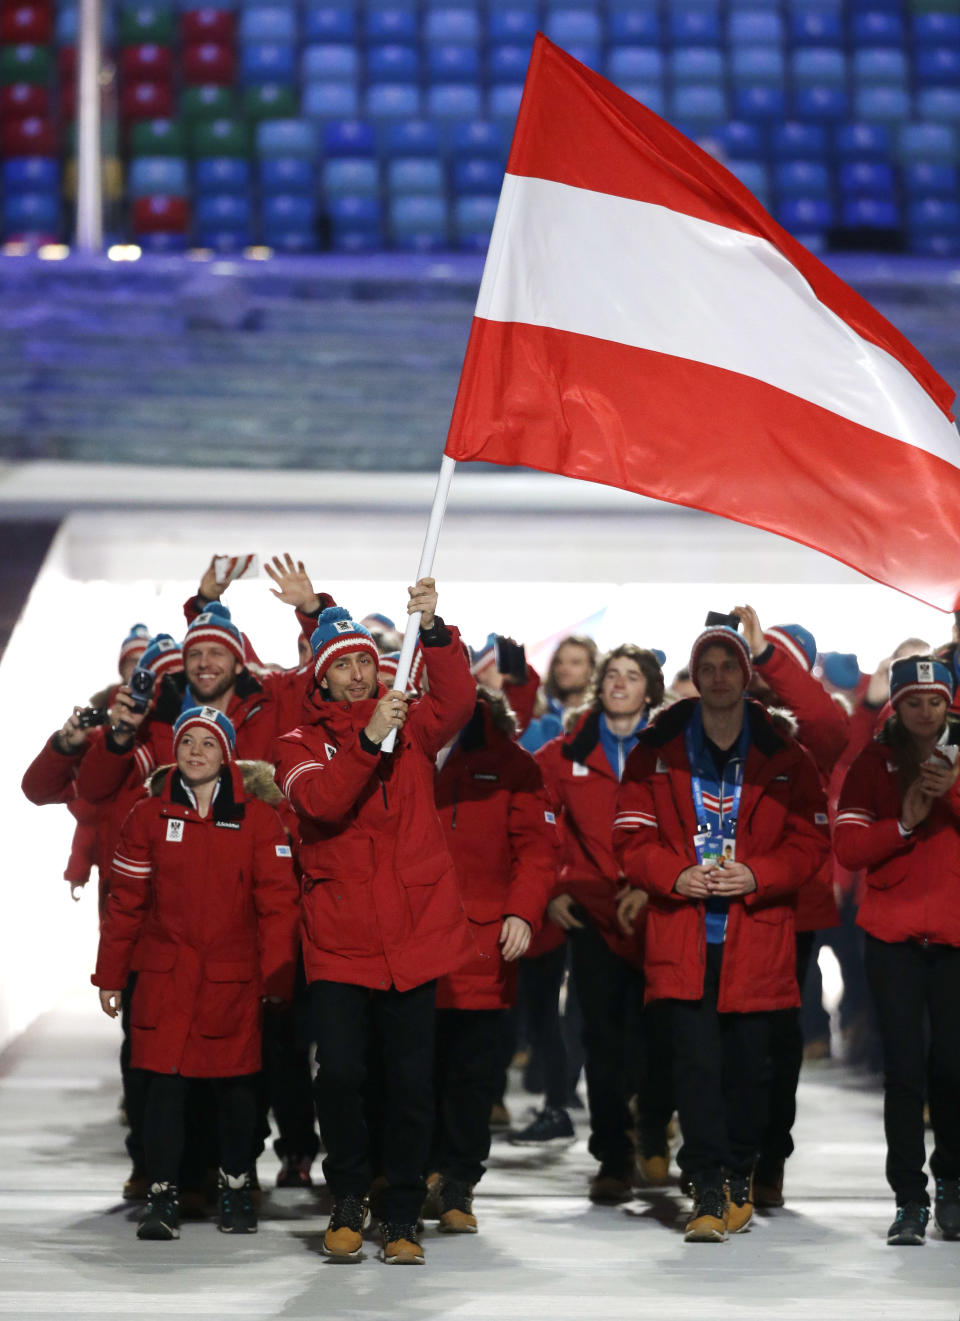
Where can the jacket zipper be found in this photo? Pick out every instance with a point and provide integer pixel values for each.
(456, 801)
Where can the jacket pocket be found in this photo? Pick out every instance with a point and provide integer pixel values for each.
(229, 1001)
(338, 917)
(425, 871)
(152, 956)
(772, 914)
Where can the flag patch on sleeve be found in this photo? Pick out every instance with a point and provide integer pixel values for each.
(820, 818)
(283, 851)
(550, 819)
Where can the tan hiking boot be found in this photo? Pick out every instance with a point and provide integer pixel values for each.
(457, 1203)
(707, 1223)
(654, 1170)
(738, 1191)
(610, 1185)
(343, 1237)
(432, 1206)
(401, 1246)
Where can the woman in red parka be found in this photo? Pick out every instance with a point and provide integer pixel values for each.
(502, 837)
(203, 905)
(899, 817)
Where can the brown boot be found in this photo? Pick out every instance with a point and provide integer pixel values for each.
(653, 1170)
(768, 1185)
(136, 1186)
(611, 1185)
(738, 1191)
(401, 1246)
(343, 1237)
(457, 1217)
(707, 1223)
(432, 1205)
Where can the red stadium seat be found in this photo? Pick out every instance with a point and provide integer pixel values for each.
(160, 215)
(68, 99)
(30, 24)
(23, 101)
(210, 63)
(28, 137)
(200, 25)
(67, 61)
(146, 101)
(146, 64)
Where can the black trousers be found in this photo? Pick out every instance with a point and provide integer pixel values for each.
(721, 1064)
(135, 1082)
(786, 1059)
(386, 1037)
(163, 1124)
(539, 993)
(467, 1084)
(914, 985)
(611, 999)
(288, 1085)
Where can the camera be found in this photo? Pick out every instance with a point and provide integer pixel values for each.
(716, 617)
(141, 688)
(510, 659)
(88, 716)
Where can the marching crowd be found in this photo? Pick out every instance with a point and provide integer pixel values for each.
(277, 890)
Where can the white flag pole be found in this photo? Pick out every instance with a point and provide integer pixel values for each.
(447, 466)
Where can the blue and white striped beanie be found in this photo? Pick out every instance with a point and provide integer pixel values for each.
(134, 644)
(211, 720)
(337, 634)
(919, 674)
(796, 641)
(215, 625)
(162, 656)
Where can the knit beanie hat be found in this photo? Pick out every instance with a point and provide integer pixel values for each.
(134, 644)
(796, 641)
(841, 669)
(388, 669)
(480, 657)
(337, 634)
(378, 621)
(209, 719)
(721, 635)
(215, 625)
(925, 675)
(162, 656)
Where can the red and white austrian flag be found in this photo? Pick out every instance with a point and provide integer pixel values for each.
(643, 322)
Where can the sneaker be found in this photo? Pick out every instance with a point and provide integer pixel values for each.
(768, 1184)
(135, 1186)
(343, 1237)
(401, 1245)
(910, 1227)
(611, 1185)
(457, 1203)
(295, 1172)
(946, 1208)
(237, 1214)
(432, 1204)
(739, 1194)
(707, 1223)
(499, 1117)
(548, 1128)
(161, 1216)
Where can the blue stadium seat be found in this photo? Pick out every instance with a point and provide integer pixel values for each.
(938, 66)
(287, 174)
(349, 137)
(638, 25)
(648, 94)
(477, 177)
(862, 142)
(936, 29)
(870, 213)
(355, 224)
(415, 175)
(271, 23)
(928, 179)
(695, 107)
(803, 215)
(396, 23)
(507, 64)
(757, 64)
(587, 53)
(287, 137)
(393, 63)
(447, 101)
(822, 65)
(866, 179)
(740, 140)
(696, 64)
(503, 102)
(418, 224)
(473, 219)
(638, 64)
(759, 101)
(802, 179)
(162, 243)
(217, 211)
(392, 101)
(927, 142)
(934, 214)
(753, 175)
(453, 64)
(880, 64)
(877, 27)
(27, 174)
(267, 62)
(31, 213)
(330, 101)
(330, 62)
(818, 102)
(794, 140)
(940, 105)
(573, 27)
(346, 176)
(882, 105)
(935, 244)
(329, 23)
(694, 24)
(507, 27)
(754, 27)
(816, 25)
(411, 137)
(288, 209)
(151, 175)
(442, 24)
(479, 138)
(225, 241)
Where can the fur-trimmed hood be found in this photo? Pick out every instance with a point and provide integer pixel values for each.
(257, 778)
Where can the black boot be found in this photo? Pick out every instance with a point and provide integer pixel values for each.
(161, 1216)
(910, 1227)
(237, 1212)
(946, 1209)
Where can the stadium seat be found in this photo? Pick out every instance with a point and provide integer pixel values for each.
(396, 23)
(649, 95)
(757, 64)
(739, 140)
(472, 222)
(330, 101)
(759, 102)
(478, 138)
(695, 107)
(936, 28)
(330, 62)
(754, 27)
(333, 23)
(411, 137)
(880, 65)
(448, 63)
(795, 140)
(816, 26)
(149, 175)
(934, 214)
(358, 176)
(288, 209)
(268, 23)
(450, 101)
(206, 102)
(636, 24)
(753, 175)
(927, 179)
(508, 64)
(33, 136)
(503, 102)
(140, 23)
(573, 27)
(160, 215)
(288, 174)
(867, 142)
(866, 178)
(393, 64)
(819, 102)
(696, 64)
(870, 213)
(805, 215)
(509, 27)
(936, 143)
(417, 175)
(209, 63)
(270, 101)
(146, 101)
(287, 137)
(823, 66)
(802, 179)
(348, 137)
(219, 137)
(148, 63)
(157, 137)
(26, 174)
(475, 177)
(25, 64)
(940, 105)
(418, 224)
(29, 23)
(448, 25)
(222, 174)
(638, 64)
(23, 100)
(355, 224)
(694, 24)
(876, 27)
(267, 62)
(392, 101)
(938, 66)
(219, 211)
(200, 25)
(882, 105)
(31, 213)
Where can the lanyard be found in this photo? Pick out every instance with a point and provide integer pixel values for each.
(696, 755)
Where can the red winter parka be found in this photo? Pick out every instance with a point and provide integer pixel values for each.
(206, 911)
(380, 900)
(502, 835)
(583, 792)
(52, 778)
(912, 889)
(781, 836)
